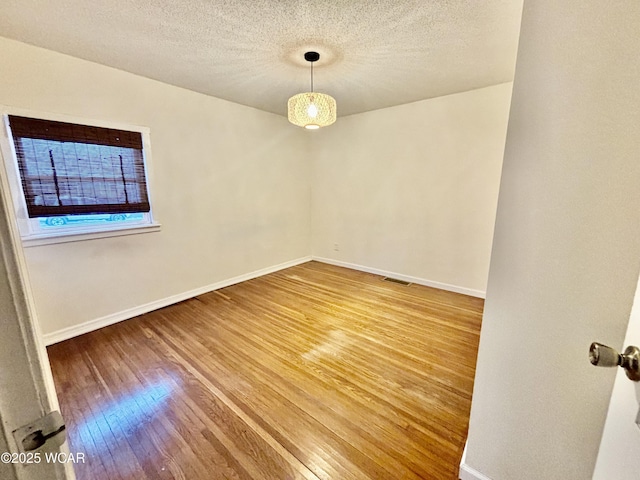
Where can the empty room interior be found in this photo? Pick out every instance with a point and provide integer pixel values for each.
(319, 240)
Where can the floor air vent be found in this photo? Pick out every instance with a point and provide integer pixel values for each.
(395, 280)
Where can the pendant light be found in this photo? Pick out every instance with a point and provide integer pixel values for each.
(312, 110)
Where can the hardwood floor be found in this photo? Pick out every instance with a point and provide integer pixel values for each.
(314, 372)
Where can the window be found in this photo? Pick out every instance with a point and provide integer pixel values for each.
(77, 179)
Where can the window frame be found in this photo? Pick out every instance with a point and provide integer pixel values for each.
(32, 235)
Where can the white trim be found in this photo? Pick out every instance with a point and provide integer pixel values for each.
(91, 325)
(25, 314)
(420, 281)
(468, 473)
(36, 241)
(61, 117)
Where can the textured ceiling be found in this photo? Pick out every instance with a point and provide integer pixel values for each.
(374, 53)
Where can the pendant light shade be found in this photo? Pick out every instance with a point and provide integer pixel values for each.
(312, 110)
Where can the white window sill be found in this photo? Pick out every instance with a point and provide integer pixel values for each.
(64, 237)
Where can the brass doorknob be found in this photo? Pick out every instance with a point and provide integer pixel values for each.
(603, 356)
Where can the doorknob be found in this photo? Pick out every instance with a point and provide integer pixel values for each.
(602, 356)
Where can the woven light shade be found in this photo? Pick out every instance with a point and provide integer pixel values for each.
(312, 110)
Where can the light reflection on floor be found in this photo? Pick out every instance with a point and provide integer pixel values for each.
(122, 417)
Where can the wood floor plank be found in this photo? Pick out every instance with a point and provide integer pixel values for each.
(313, 372)
(346, 426)
(338, 388)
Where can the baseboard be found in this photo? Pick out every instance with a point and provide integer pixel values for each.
(406, 278)
(91, 325)
(468, 473)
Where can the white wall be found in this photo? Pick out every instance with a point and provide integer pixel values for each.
(413, 189)
(230, 187)
(566, 253)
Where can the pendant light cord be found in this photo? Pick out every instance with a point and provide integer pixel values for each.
(311, 76)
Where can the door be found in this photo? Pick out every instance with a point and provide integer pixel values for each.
(27, 392)
(619, 455)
